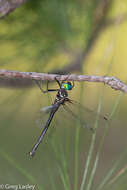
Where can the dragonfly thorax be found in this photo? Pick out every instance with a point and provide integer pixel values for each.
(62, 94)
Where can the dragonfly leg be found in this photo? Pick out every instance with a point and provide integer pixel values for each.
(38, 84)
(47, 86)
(66, 80)
(73, 84)
(58, 82)
(47, 90)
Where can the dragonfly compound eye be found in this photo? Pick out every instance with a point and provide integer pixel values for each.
(67, 86)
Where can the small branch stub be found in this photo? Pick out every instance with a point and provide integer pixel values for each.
(113, 82)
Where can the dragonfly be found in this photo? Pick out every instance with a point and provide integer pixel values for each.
(61, 99)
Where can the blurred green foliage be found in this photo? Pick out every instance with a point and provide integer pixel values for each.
(36, 34)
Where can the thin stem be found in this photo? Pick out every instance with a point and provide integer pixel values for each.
(97, 157)
(91, 149)
(109, 174)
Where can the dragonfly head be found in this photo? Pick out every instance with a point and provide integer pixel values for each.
(67, 86)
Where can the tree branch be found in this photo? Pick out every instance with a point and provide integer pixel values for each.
(8, 6)
(113, 82)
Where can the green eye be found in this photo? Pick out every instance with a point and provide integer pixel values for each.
(67, 86)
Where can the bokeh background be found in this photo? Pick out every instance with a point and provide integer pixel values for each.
(63, 36)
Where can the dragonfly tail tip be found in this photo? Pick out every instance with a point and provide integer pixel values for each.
(105, 118)
(31, 154)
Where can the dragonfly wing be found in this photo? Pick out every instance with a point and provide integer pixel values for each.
(43, 115)
(76, 116)
(46, 109)
(84, 115)
(88, 110)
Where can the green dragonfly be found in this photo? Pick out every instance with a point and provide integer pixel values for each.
(61, 100)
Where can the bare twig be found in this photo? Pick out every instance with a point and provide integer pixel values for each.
(119, 19)
(113, 82)
(7, 6)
